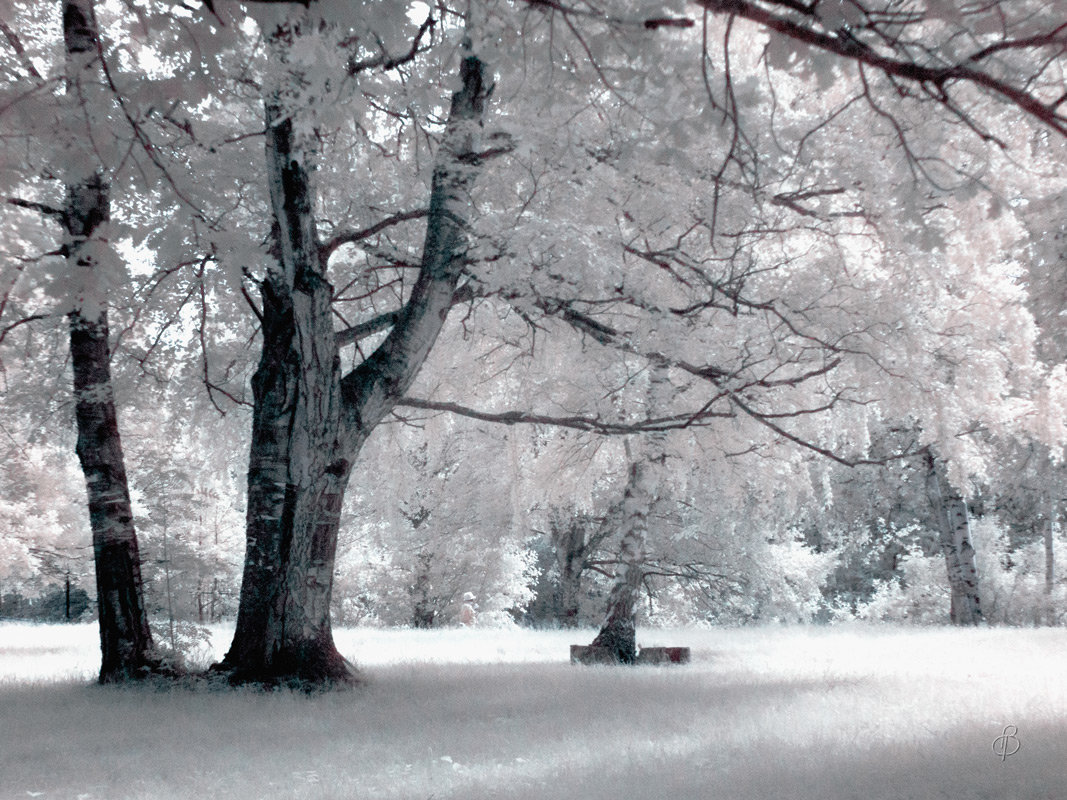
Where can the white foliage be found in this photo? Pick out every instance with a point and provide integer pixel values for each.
(1011, 584)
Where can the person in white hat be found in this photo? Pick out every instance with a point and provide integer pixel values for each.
(466, 611)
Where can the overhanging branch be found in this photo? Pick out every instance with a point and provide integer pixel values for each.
(938, 77)
(576, 422)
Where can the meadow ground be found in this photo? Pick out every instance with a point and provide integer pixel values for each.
(872, 713)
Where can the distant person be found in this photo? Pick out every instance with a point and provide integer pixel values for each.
(467, 611)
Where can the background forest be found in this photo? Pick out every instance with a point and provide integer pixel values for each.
(718, 312)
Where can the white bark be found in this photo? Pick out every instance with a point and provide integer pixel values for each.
(618, 630)
(950, 512)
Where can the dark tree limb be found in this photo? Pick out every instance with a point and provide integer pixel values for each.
(352, 237)
(576, 421)
(936, 77)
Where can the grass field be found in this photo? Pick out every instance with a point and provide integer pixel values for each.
(881, 713)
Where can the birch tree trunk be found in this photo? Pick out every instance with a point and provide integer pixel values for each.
(950, 512)
(618, 631)
(309, 423)
(125, 640)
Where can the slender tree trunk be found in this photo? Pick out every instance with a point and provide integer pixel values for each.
(618, 630)
(424, 612)
(166, 578)
(570, 544)
(309, 424)
(1050, 561)
(125, 640)
(950, 512)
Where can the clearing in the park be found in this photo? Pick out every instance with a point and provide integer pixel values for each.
(805, 713)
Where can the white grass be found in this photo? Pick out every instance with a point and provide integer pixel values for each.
(801, 713)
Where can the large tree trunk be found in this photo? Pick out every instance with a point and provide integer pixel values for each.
(297, 471)
(309, 424)
(125, 640)
(950, 512)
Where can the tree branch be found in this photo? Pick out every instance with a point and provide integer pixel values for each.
(32, 318)
(387, 62)
(351, 237)
(20, 51)
(847, 46)
(379, 323)
(576, 422)
(364, 329)
(591, 12)
(42, 208)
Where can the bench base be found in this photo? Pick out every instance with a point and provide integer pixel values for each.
(587, 654)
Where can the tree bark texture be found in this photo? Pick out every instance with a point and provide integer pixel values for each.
(950, 512)
(569, 541)
(297, 469)
(309, 422)
(125, 640)
(618, 631)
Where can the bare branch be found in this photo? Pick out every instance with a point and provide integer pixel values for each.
(32, 318)
(351, 237)
(577, 422)
(1053, 38)
(33, 205)
(20, 51)
(387, 62)
(591, 12)
(364, 329)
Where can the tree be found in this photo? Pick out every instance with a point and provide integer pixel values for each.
(125, 639)
(577, 542)
(618, 632)
(822, 349)
(309, 421)
(91, 264)
(950, 515)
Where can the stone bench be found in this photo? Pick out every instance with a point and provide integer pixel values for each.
(663, 655)
(587, 654)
